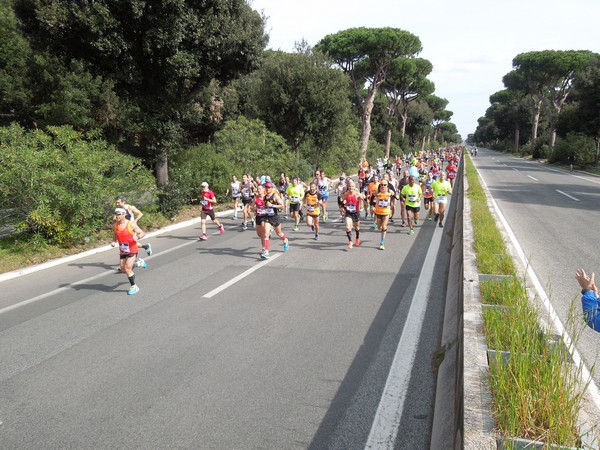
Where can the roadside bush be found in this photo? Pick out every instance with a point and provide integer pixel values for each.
(575, 144)
(65, 183)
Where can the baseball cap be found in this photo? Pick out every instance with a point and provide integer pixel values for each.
(120, 211)
(204, 184)
(269, 185)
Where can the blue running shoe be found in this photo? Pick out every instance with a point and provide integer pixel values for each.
(265, 255)
(316, 237)
(148, 249)
(133, 290)
(286, 245)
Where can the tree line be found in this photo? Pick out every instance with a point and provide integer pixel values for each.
(182, 92)
(550, 108)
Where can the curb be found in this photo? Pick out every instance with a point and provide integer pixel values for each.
(55, 262)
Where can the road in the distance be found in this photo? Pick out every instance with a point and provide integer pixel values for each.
(554, 215)
(293, 355)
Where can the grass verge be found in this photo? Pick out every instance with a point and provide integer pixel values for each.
(536, 391)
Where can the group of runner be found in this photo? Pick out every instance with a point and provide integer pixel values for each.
(263, 204)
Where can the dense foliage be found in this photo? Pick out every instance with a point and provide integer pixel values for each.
(64, 184)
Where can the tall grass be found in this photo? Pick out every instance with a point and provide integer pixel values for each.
(536, 391)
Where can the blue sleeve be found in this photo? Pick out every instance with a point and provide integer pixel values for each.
(591, 310)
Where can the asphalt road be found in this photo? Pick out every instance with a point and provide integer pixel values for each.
(554, 215)
(294, 354)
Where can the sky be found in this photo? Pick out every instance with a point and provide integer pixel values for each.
(471, 43)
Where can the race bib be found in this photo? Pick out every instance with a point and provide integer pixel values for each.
(294, 199)
(322, 189)
(441, 196)
(383, 203)
(351, 207)
(204, 202)
(270, 211)
(412, 198)
(124, 248)
(261, 211)
(310, 208)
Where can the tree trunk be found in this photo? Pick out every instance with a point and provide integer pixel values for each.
(161, 169)
(423, 144)
(537, 109)
(388, 143)
(517, 137)
(366, 122)
(404, 117)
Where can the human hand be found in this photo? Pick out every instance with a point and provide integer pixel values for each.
(586, 281)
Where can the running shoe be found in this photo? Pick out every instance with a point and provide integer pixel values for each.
(436, 217)
(381, 247)
(416, 222)
(316, 237)
(296, 228)
(244, 226)
(312, 228)
(148, 249)
(441, 224)
(411, 231)
(325, 217)
(203, 237)
(357, 242)
(430, 218)
(374, 225)
(349, 245)
(286, 245)
(253, 223)
(141, 263)
(221, 230)
(133, 290)
(234, 218)
(265, 255)
(403, 224)
(391, 220)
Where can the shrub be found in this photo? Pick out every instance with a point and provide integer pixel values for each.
(64, 182)
(575, 144)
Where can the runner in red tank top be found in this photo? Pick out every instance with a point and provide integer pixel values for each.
(127, 233)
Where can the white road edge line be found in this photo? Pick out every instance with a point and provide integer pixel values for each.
(240, 276)
(567, 195)
(586, 179)
(534, 179)
(77, 283)
(586, 376)
(389, 412)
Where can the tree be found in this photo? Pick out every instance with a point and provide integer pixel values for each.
(405, 82)
(510, 113)
(303, 99)
(159, 55)
(440, 113)
(546, 75)
(365, 54)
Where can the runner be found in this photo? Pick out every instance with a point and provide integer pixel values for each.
(441, 190)
(273, 204)
(340, 190)
(395, 194)
(312, 201)
(451, 170)
(373, 188)
(247, 192)
(428, 194)
(130, 211)
(295, 192)
(207, 201)
(235, 189)
(126, 235)
(260, 211)
(351, 202)
(382, 210)
(323, 185)
(412, 198)
(403, 182)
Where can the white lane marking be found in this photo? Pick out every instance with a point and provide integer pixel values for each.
(587, 179)
(240, 276)
(516, 170)
(586, 376)
(389, 412)
(534, 179)
(77, 283)
(505, 165)
(567, 195)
